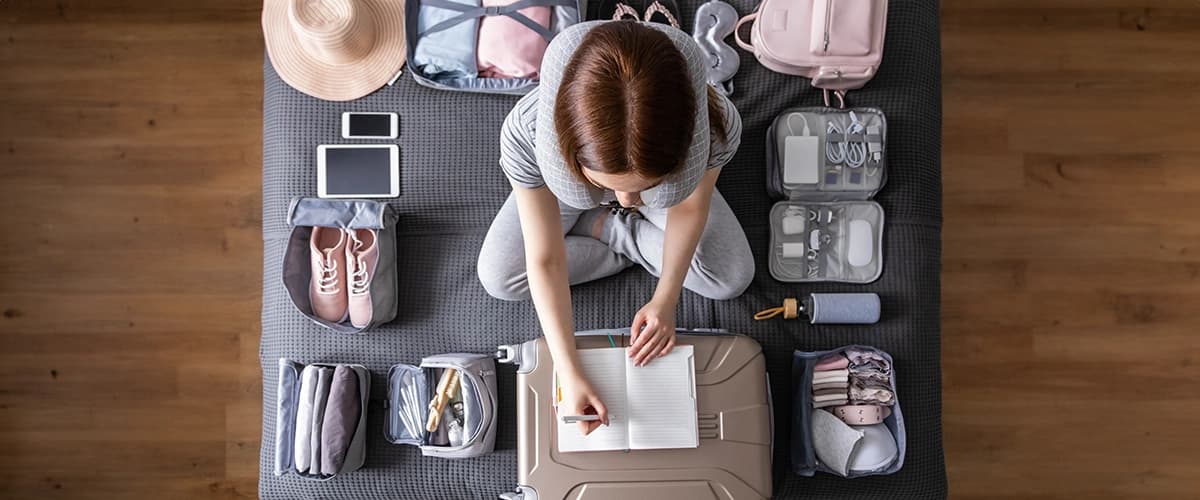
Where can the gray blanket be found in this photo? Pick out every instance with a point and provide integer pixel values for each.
(452, 186)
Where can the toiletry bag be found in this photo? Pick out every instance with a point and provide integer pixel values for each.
(836, 43)
(287, 407)
(410, 390)
(564, 13)
(306, 213)
(826, 164)
(806, 455)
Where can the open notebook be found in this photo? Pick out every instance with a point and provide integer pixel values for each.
(652, 406)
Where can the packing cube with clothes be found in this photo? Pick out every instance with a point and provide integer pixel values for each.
(484, 46)
(321, 419)
(846, 418)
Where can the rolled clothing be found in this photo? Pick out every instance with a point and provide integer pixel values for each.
(447, 53)
(341, 419)
(871, 396)
(509, 49)
(320, 400)
(861, 358)
(304, 410)
(831, 376)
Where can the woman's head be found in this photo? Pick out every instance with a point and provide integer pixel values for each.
(625, 110)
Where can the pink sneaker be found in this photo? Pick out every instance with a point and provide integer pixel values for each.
(327, 289)
(362, 254)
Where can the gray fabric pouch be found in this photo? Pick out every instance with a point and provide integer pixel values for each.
(306, 213)
(804, 457)
(287, 403)
(410, 390)
(826, 164)
(565, 14)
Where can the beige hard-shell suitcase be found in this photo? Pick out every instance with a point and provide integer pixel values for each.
(733, 461)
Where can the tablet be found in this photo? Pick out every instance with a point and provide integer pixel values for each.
(358, 171)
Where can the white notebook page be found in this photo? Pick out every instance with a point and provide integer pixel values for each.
(605, 369)
(662, 395)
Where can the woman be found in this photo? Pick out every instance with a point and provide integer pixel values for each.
(623, 114)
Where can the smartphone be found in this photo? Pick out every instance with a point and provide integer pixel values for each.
(356, 125)
(358, 171)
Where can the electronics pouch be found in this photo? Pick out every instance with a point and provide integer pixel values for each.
(564, 13)
(826, 164)
(411, 389)
(306, 213)
(288, 406)
(871, 457)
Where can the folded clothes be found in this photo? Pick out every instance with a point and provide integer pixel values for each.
(831, 362)
(341, 419)
(320, 400)
(831, 385)
(825, 376)
(833, 402)
(509, 49)
(868, 357)
(829, 392)
(450, 52)
(869, 383)
(303, 447)
(871, 396)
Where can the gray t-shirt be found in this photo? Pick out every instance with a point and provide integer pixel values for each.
(518, 151)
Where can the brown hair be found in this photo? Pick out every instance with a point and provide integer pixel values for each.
(626, 104)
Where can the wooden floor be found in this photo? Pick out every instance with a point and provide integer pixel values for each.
(130, 253)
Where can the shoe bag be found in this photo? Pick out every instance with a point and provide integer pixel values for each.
(287, 403)
(825, 165)
(410, 390)
(805, 461)
(451, 15)
(306, 213)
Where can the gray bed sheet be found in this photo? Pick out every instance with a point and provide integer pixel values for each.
(452, 186)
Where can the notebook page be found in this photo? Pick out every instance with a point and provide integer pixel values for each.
(662, 401)
(605, 369)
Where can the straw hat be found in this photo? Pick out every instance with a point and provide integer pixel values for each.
(335, 50)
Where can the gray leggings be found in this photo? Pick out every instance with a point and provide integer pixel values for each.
(721, 269)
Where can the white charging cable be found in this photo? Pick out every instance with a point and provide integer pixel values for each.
(791, 130)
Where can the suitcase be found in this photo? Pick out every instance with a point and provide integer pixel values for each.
(733, 461)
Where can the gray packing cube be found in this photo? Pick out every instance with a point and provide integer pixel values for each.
(844, 239)
(826, 164)
(287, 406)
(306, 213)
(411, 388)
(565, 13)
(804, 459)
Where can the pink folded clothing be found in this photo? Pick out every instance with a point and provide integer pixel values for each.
(831, 362)
(509, 49)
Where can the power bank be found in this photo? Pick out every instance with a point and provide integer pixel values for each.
(801, 164)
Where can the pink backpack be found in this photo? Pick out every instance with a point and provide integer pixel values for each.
(836, 43)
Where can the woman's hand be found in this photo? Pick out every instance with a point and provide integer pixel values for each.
(653, 331)
(579, 398)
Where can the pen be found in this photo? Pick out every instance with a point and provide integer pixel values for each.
(570, 419)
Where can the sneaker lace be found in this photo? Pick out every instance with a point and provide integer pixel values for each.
(358, 276)
(327, 282)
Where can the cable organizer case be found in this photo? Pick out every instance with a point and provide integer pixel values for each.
(806, 459)
(306, 213)
(733, 461)
(412, 388)
(288, 407)
(565, 13)
(826, 164)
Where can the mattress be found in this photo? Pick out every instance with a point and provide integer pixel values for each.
(451, 186)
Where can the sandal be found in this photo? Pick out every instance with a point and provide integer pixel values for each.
(663, 12)
(617, 10)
